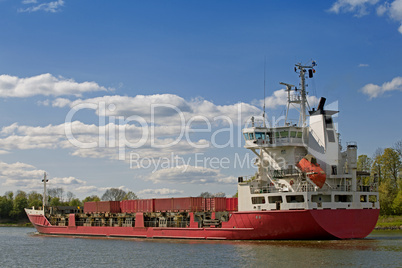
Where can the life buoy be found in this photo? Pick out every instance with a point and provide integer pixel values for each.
(291, 182)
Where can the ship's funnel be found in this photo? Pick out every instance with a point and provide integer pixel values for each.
(321, 104)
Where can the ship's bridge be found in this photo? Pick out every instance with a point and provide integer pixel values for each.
(257, 137)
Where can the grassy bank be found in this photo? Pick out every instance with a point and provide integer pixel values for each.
(27, 224)
(15, 223)
(389, 222)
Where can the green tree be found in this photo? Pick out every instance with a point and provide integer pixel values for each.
(130, 196)
(398, 147)
(206, 195)
(35, 199)
(397, 203)
(391, 165)
(20, 202)
(364, 163)
(70, 196)
(55, 202)
(377, 167)
(6, 205)
(91, 198)
(387, 168)
(56, 192)
(75, 202)
(113, 194)
(387, 194)
(219, 194)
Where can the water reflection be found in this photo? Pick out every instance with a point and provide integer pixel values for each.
(381, 248)
(373, 242)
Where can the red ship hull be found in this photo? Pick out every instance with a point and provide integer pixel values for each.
(258, 225)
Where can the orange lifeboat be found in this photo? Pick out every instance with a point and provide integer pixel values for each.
(316, 174)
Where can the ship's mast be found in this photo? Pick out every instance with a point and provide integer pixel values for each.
(44, 191)
(301, 98)
(303, 94)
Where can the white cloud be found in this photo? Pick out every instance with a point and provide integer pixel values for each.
(363, 65)
(279, 98)
(52, 7)
(29, 1)
(53, 137)
(395, 10)
(185, 174)
(357, 6)
(29, 178)
(168, 109)
(61, 102)
(172, 127)
(68, 181)
(162, 191)
(44, 84)
(374, 91)
(382, 9)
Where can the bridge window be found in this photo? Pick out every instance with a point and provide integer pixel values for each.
(343, 198)
(251, 135)
(320, 198)
(295, 199)
(260, 135)
(293, 134)
(258, 200)
(246, 136)
(274, 199)
(299, 134)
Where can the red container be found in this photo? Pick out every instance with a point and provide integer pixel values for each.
(215, 204)
(124, 206)
(197, 204)
(231, 204)
(219, 203)
(128, 206)
(108, 207)
(145, 205)
(102, 207)
(188, 204)
(163, 204)
(90, 207)
(133, 205)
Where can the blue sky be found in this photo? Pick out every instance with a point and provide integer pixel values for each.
(206, 58)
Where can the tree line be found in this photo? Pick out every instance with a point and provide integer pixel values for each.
(385, 168)
(12, 205)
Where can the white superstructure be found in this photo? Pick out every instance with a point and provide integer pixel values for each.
(302, 166)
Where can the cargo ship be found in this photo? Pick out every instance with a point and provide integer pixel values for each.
(306, 187)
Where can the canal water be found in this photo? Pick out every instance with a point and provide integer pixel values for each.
(23, 247)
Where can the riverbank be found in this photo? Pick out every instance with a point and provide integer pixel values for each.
(28, 224)
(13, 223)
(389, 223)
